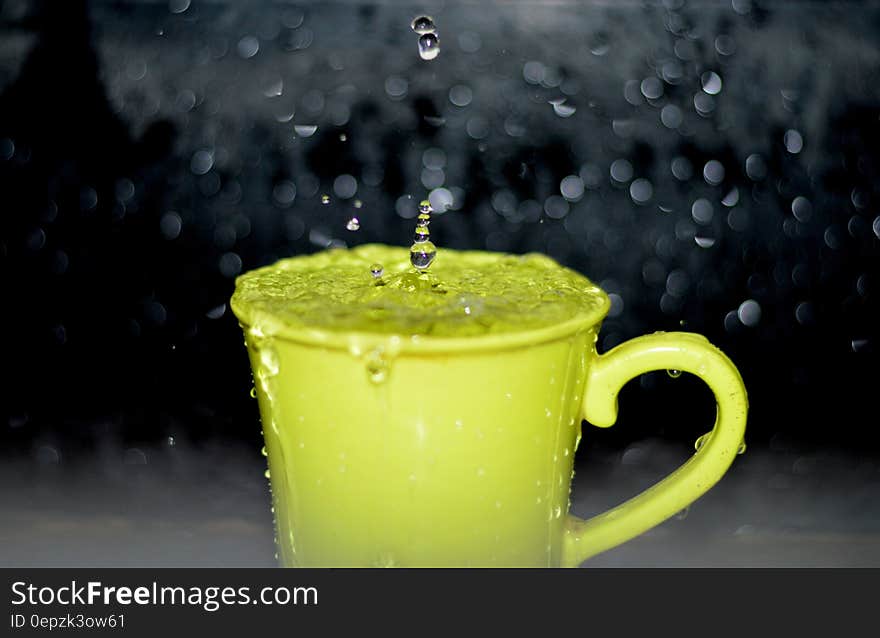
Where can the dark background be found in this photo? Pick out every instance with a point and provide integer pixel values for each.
(151, 151)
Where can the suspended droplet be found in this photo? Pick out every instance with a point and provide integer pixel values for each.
(423, 25)
(263, 451)
(377, 270)
(742, 448)
(425, 208)
(305, 130)
(325, 199)
(353, 224)
(253, 393)
(358, 203)
(421, 235)
(421, 255)
(564, 110)
(674, 373)
(267, 474)
(429, 46)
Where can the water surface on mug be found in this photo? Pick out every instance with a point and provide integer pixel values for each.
(375, 289)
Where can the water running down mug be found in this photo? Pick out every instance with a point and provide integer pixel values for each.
(391, 450)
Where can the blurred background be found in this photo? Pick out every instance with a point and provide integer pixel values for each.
(714, 166)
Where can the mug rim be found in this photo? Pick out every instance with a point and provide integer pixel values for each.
(359, 342)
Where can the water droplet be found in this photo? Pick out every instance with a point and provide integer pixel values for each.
(171, 442)
(358, 203)
(253, 393)
(621, 170)
(713, 172)
(674, 373)
(267, 474)
(742, 448)
(377, 367)
(269, 359)
(749, 312)
(421, 235)
(563, 110)
(263, 451)
(794, 141)
(711, 82)
(704, 242)
(652, 88)
(557, 512)
(178, 6)
(421, 255)
(305, 130)
(423, 25)
(732, 198)
(377, 270)
(425, 208)
(756, 168)
(353, 224)
(701, 441)
(683, 514)
(429, 46)
(859, 345)
(325, 199)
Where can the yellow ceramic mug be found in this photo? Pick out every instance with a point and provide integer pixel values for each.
(387, 449)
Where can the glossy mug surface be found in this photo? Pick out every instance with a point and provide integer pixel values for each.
(451, 444)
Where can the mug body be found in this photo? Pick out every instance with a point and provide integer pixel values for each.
(381, 455)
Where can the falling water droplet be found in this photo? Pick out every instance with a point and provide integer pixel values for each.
(305, 130)
(377, 270)
(325, 199)
(423, 25)
(429, 46)
(674, 373)
(353, 224)
(425, 208)
(564, 110)
(421, 255)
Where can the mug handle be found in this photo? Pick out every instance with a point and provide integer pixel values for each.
(608, 373)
